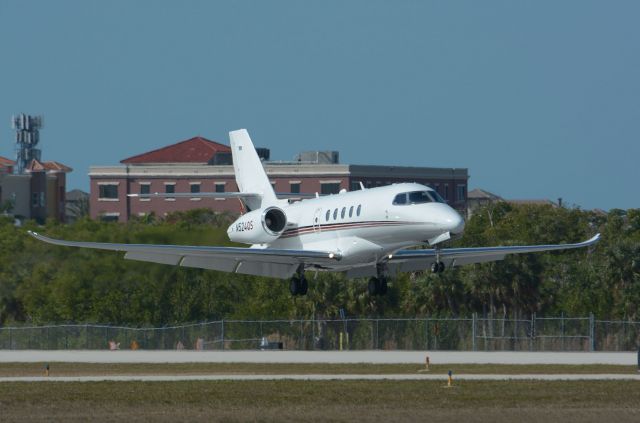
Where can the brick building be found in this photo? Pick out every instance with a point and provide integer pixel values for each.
(37, 193)
(200, 165)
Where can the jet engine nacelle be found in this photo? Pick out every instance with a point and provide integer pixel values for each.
(259, 226)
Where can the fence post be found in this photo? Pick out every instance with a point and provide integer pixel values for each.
(474, 321)
(592, 339)
(313, 332)
(533, 331)
(222, 330)
(10, 339)
(377, 347)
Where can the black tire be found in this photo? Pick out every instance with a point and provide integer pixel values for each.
(384, 286)
(294, 286)
(440, 267)
(373, 286)
(303, 287)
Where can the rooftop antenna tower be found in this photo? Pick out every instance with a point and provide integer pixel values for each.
(27, 129)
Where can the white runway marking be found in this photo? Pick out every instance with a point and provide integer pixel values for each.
(316, 377)
(375, 357)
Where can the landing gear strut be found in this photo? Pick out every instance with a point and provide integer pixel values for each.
(298, 284)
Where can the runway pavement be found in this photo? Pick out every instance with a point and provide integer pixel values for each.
(322, 377)
(375, 357)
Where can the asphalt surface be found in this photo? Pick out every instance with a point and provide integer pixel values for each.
(375, 357)
(320, 377)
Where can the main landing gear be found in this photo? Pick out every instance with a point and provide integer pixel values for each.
(378, 286)
(298, 284)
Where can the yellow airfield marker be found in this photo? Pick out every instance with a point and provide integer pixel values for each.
(450, 380)
(426, 366)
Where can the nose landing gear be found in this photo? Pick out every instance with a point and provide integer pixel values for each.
(437, 267)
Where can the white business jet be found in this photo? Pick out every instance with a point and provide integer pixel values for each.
(363, 233)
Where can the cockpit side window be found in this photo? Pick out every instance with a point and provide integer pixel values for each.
(436, 197)
(400, 199)
(419, 197)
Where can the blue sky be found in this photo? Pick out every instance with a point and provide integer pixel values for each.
(538, 99)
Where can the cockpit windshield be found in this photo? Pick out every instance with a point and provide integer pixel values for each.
(417, 197)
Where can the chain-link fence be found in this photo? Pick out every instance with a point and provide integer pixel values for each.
(466, 334)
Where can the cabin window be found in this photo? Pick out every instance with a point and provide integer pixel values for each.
(351, 211)
(343, 212)
(328, 214)
(335, 214)
(358, 210)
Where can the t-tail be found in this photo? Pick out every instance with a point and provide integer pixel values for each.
(250, 175)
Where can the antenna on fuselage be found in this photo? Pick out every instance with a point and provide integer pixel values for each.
(361, 185)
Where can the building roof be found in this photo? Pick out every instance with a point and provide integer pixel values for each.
(193, 150)
(6, 162)
(480, 194)
(38, 166)
(76, 195)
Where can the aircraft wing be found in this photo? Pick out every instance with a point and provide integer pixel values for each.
(198, 195)
(414, 260)
(251, 261)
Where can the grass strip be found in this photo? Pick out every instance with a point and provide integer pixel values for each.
(579, 401)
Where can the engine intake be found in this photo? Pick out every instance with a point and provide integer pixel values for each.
(274, 221)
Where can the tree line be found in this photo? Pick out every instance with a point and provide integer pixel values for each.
(40, 283)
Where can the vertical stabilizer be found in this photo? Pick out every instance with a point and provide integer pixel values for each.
(250, 175)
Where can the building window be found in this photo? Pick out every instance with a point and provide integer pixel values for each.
(295, 187)
(355, 185)
(358, 210)
(195, 188)
(329, 188)
(220, 187)
(110, 217)
(108, 191)
(145, 188)
(170, 188)
(446, 191)
(462, 192)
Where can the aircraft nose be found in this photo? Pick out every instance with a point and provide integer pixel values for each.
(455, 222)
